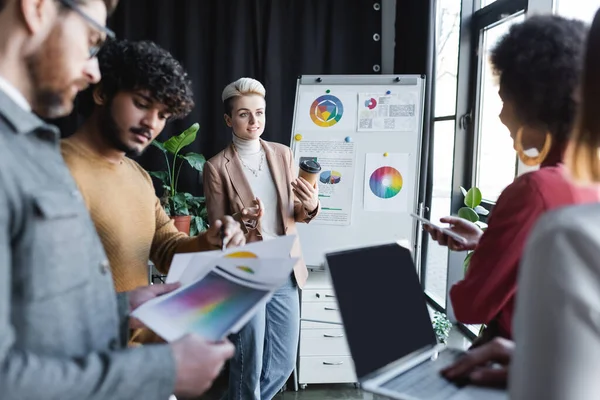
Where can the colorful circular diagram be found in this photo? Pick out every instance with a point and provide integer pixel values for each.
(385, 182)
(371, 103)
(326, 111)
(330, 177)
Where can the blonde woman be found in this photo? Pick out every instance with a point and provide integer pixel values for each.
(255, 181)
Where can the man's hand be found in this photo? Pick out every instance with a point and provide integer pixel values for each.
(306, 193)
(225, 230)
(139, 296)
(486, 365)
(461, 226)
(198, 363)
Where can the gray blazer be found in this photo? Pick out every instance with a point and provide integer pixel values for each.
(557, 318)
(63, 330)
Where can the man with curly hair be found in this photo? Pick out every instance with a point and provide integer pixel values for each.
(142, 88)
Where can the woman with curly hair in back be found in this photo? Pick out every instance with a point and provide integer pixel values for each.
(538, 64)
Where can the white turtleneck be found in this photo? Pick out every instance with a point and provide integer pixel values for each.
(251, 153)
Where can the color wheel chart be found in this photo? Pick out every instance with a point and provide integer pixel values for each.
(326, 111)
(385, 182)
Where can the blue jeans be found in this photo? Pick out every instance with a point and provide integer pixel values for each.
(266, 347)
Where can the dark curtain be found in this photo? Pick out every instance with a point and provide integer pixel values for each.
(414, 21)
(274, 41)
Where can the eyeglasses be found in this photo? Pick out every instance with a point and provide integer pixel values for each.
(94, 49)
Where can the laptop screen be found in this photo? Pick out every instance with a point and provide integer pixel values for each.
(382, 305)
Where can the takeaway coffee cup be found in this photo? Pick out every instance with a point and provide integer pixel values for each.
(309, 170)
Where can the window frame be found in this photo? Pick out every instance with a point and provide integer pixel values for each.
(473, 20)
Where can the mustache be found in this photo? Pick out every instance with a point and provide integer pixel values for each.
(142, 131)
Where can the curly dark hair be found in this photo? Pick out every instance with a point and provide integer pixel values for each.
(539, 63)
(142, 65)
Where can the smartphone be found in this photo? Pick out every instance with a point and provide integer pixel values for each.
(446, 231)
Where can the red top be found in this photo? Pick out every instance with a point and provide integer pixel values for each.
(488, 290)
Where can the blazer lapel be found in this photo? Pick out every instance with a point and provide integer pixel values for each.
(278, 171)
(237, 177)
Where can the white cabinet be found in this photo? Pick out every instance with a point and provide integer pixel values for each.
(324, 356)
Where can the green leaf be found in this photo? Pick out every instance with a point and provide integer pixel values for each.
(467, 262)
(197, 225)
(481, 210)
(159, 145)
(179, 203)
(162, 175)
(176, 143)
(473, 197)
(195, 160)
(469, 214)
(463, 190)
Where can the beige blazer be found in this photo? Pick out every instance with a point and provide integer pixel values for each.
(227, 192)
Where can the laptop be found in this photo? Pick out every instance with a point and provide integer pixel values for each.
(388, 327)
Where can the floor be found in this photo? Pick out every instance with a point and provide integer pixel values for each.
(312, 392)
(330, 391)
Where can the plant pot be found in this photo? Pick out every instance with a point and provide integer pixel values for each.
(182, 223)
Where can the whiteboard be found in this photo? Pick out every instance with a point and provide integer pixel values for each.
(368, 184)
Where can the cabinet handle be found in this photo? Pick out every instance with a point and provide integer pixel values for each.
(330, 295)
(332, 336)
(332, 363)
(331, 309)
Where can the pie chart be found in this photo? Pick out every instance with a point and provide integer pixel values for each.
(371, 103)
(330, 177)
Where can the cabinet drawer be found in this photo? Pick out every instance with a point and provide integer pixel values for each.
(326, 369)
(322, 311)
(312, 295)
(323, 342)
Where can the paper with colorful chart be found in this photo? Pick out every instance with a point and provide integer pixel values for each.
(385, 178)
(187, 267)
(336, 179)
(387, 111)
(226, 293)
(326, 110)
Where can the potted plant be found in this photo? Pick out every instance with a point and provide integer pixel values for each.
(441, 326)
(471, 212)
(187, 211)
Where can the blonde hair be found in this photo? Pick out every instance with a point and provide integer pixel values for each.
(583, 152)
(243, 87)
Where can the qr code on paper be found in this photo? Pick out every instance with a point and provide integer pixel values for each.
(402, 110)
(366, 124)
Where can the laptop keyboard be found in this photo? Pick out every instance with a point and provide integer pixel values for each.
(424, 381)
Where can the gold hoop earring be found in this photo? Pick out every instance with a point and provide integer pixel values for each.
(528, 160)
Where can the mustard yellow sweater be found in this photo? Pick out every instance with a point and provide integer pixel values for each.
(128, 216)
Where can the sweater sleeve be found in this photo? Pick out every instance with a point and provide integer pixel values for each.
(491, 279)
(168, 241)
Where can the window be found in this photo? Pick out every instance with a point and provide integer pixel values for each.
(496, 159)
(446, 63)
(436, 272)
(485, 3)
(442, 142)
(580, 9)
